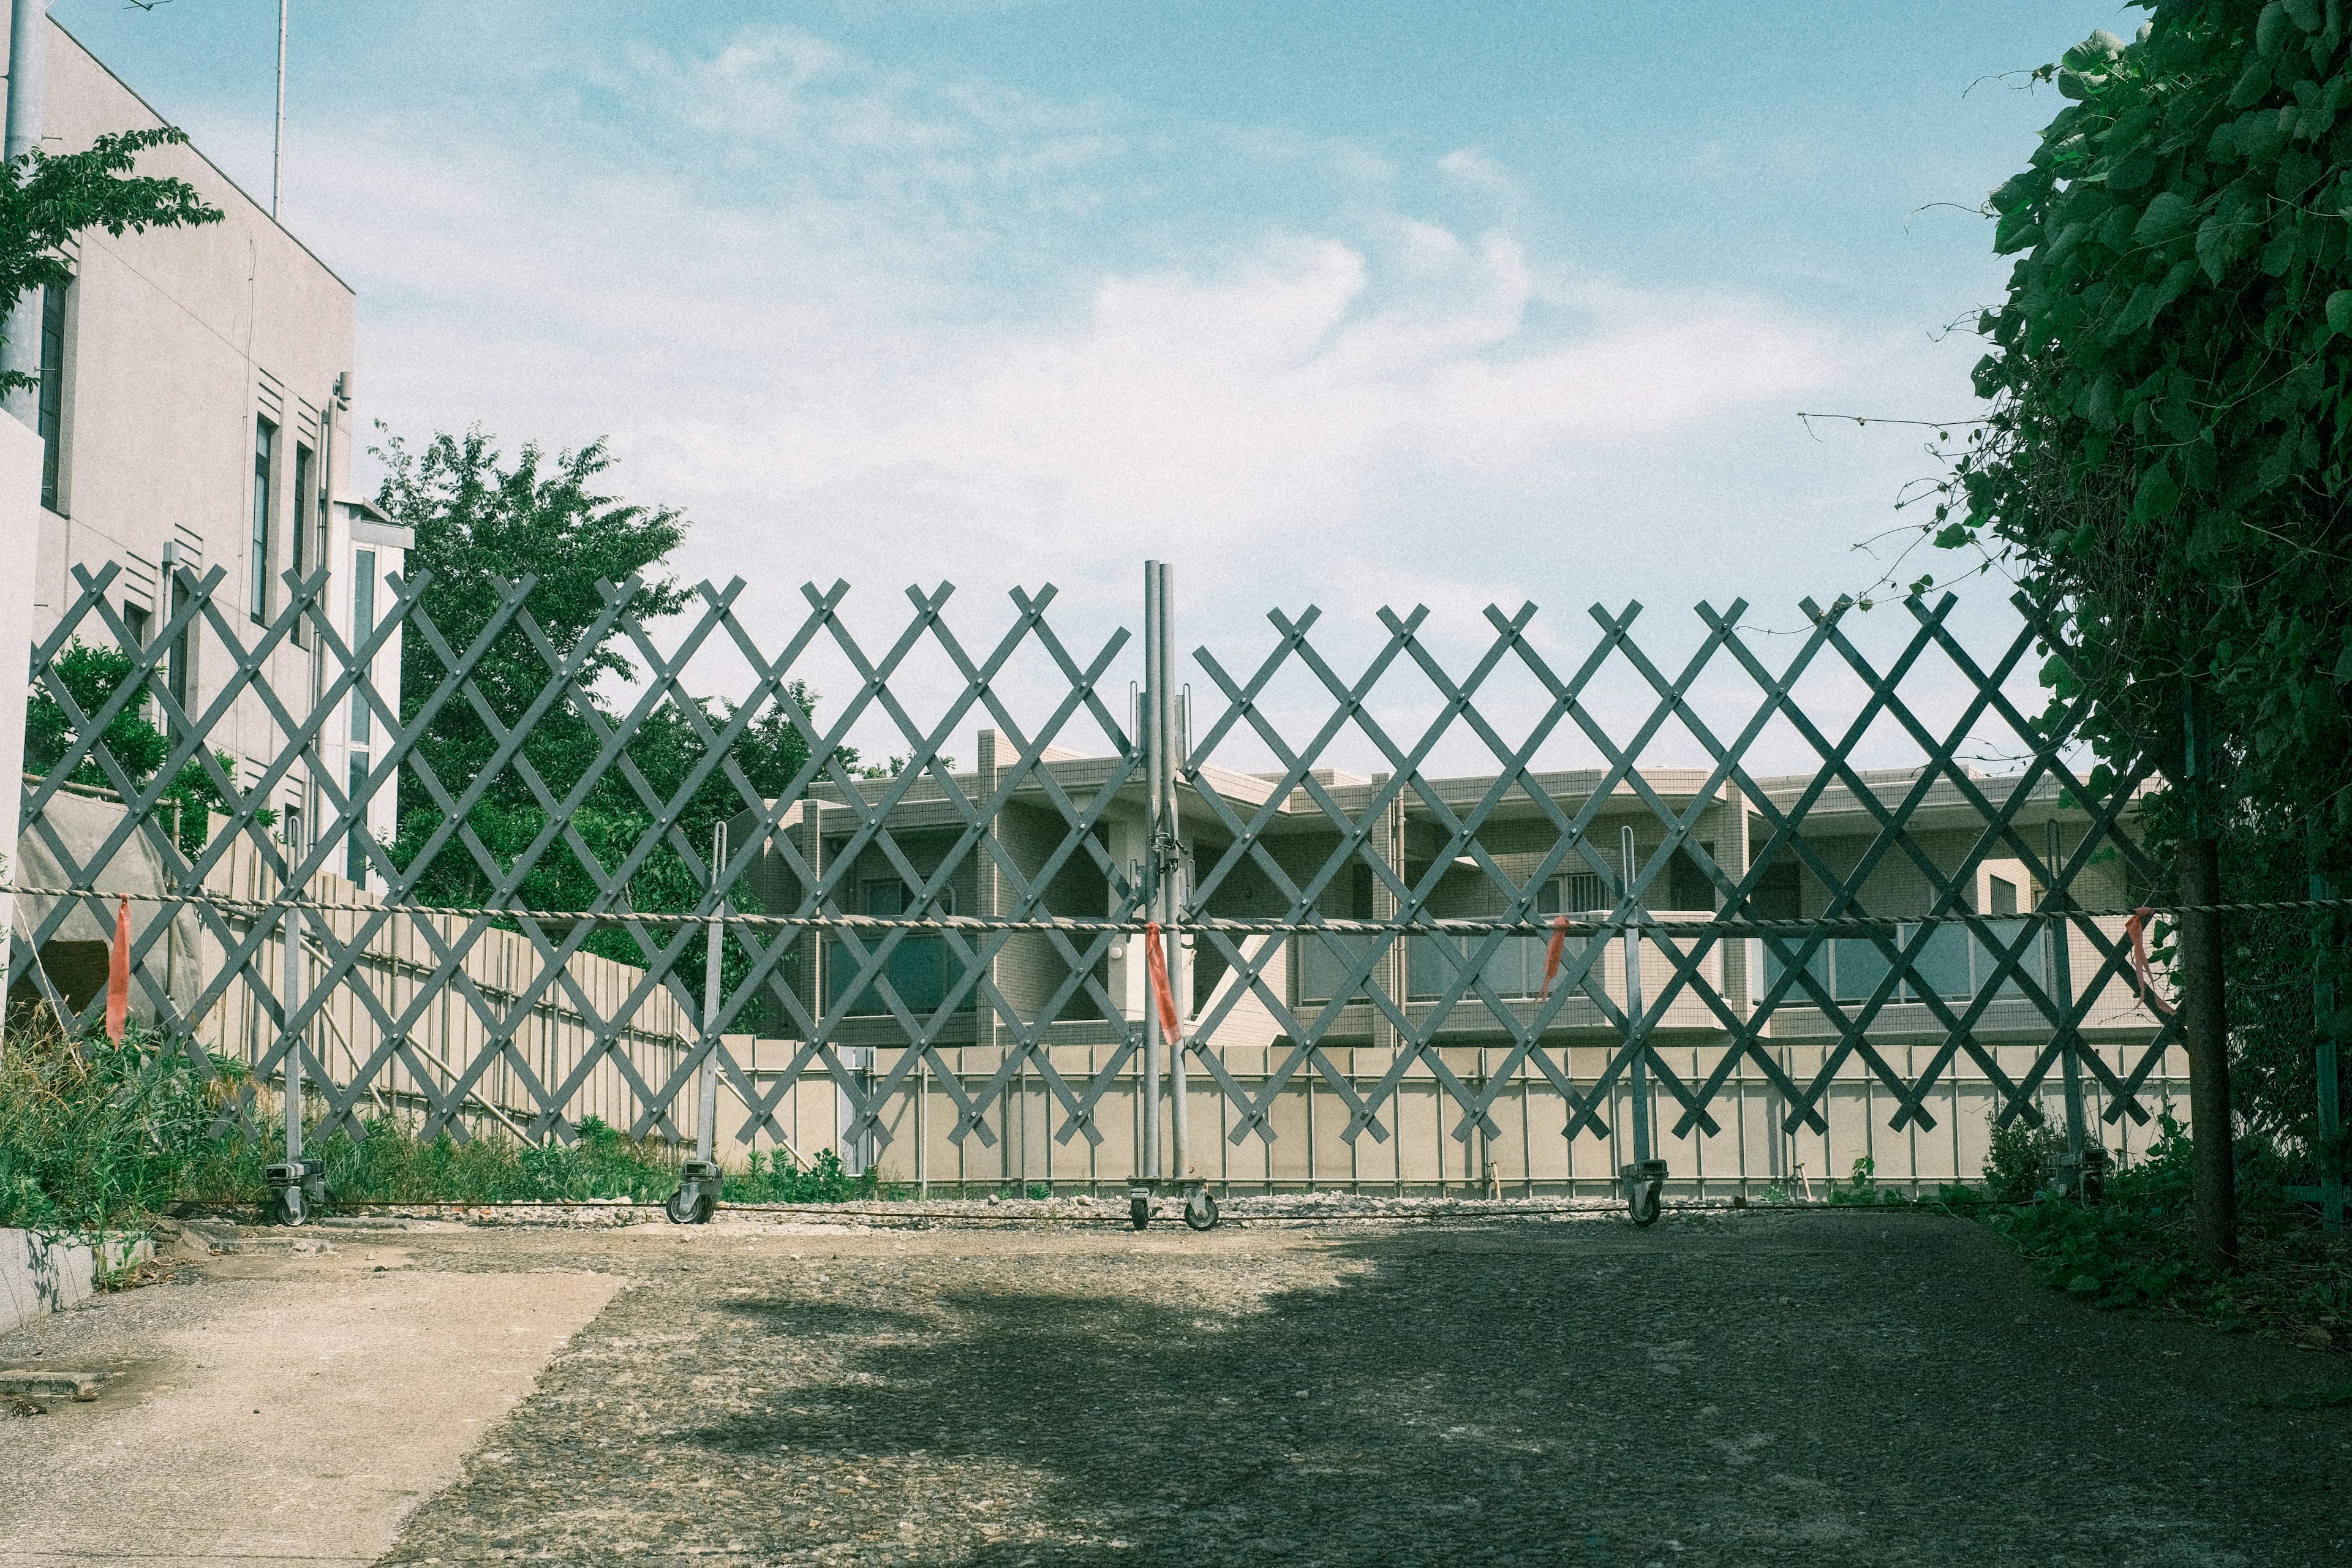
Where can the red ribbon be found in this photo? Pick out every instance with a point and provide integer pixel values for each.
(118, 975)
(1551, 955)
(2135, 928)
(1155, 959)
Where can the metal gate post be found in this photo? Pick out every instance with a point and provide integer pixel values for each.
(1644, 1180)
(295, 1182)
(1163, 1063)
(698, 1179)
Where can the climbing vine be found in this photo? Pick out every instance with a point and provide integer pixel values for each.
(2166, 462)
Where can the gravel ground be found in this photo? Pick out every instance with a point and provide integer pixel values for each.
(1825, 1389)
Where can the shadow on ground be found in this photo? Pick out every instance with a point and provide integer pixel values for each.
(1815, 1390)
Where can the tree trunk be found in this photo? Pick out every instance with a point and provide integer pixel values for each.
(2207, 1024)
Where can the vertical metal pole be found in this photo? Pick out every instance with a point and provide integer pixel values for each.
(1637, 1069)
(706, 1098)
(1155, 763)
(277, 148)
(2057, 934)
(2331, 1089)
(1179, 969)
(289, 995)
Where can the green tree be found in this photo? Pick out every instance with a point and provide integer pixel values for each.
(91, 676)
(480, 522)
(46, 198)
(2165, 467)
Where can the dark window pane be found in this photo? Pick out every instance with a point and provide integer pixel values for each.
(1775, 896)
(53, 390)
(1859, 968)
(265, 447)
(355, 856)
(1942, 967)
(363, 627)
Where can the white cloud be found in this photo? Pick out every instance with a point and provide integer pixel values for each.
(895, 331)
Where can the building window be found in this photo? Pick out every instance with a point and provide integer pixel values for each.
(265, 452)
(177, 673)
(1576, 893)
(301, 530)
(136, 621)
(355, 860)
(1775, 895)
(53, 390)
(362, 628)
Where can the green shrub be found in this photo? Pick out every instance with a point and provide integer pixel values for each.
(769, 1180)
(96, 1134)
(2020, 1163)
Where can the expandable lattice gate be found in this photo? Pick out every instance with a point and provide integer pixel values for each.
(470, 878)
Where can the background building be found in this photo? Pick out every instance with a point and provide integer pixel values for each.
(195, 413)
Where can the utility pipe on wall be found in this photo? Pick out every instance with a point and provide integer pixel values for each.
(28, 38)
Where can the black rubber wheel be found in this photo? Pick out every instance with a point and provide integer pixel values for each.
(1643, 1204)
(293, 1207)
(680, 1208)
(1201, 1210)
(1139, 1212)
(704, 1208)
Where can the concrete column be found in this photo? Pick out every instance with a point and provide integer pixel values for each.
(20, 535)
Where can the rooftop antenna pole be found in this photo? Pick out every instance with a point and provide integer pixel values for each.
(278, 153)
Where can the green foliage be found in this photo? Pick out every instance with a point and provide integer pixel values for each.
(2165, 464)
(2020, 1159)
(2165, 470)
(481, 525)
(2137, 1247)
(96, 1135)
(91, 676)
(770, 1179)
(46, 198)
(1862, 1188)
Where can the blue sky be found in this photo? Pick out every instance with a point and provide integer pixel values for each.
(1359, 302)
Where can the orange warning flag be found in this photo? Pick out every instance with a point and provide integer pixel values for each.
(118, 975)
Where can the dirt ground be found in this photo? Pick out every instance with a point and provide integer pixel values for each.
(1820, 1389)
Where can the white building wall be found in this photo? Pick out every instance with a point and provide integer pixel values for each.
(177, 342)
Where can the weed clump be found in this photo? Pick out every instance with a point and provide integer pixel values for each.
(96, 1134)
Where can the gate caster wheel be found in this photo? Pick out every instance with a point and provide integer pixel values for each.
(687, 1206)
(293, 1205)
(1139, 1212)
(1644, 1185)
(1200, 1209)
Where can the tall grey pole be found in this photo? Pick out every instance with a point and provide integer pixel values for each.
(1637, 1070)
(28, 38)
(1173, 890)
(290, 996)
(1156, 770)
(277, 146)
(707, 1090)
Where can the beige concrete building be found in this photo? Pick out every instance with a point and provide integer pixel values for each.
(195, 410)
(1254, 1026)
